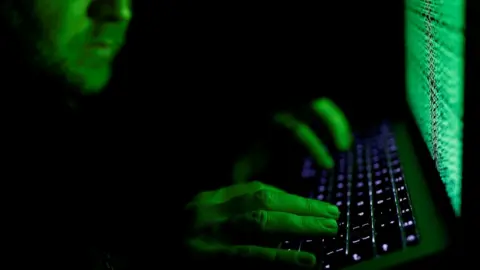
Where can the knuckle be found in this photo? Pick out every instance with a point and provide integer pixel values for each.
(263, 198)
(256, 185)
(274, 257)
(309, 206)
(303, 222)
(323, 102)
(286, 120)
(202, 196)
(259, 218)
(241, 251)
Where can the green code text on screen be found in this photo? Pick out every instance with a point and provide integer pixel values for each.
(435, 43)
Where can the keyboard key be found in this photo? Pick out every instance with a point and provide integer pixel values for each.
(385, 202)
(322, 196)
(385, 208)
(359, 231)
(406, 215)
(379, 183)
(361, 249)
(291, 245)
(397, 171)
(410, 232)
(411, 239)
(335, 259)
(341, 204)
(383, 197)
(324, 180)
(343, 215)
(314, 247)
(327, 265)
(357, 206)
(360, 218)
(404, 202)
(399, 180)
(341, 236)
(358, 196)
(384, 248)
(333, 245)
(388, 235)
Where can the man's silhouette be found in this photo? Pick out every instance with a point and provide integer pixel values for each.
(106, 188)
(74, 42)
(57, 59)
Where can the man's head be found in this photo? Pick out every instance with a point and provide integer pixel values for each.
(72, 40)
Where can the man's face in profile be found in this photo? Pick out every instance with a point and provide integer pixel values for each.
(76, 40)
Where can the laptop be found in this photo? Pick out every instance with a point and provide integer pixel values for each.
(399, 187)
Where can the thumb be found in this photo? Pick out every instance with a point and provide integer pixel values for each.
(251, 255)
(205, 251)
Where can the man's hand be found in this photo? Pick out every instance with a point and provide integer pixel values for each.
(238, 223)
(335, 121)
(259, 156)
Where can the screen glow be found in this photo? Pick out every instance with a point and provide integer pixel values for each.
(435, 44)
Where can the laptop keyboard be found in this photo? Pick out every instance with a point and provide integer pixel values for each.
(367, 184)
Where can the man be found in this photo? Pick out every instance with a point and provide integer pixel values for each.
(57, 59)
(65, 48)
(73, 41)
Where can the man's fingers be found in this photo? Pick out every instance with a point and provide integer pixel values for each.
(272, 200)
(250, 187)
(284, 202)
(274, 256)
(333, 118)
(318, 150)
(270, 223)
(336, 122)
(307, 137)
(248, 254)
(227, 193)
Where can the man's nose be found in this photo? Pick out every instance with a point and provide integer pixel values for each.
(113, 10)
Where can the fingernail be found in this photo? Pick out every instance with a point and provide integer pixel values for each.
(306, 259)
(329, 163)
(348, 142)
(345, 144)
(333, 211)
(330, 223)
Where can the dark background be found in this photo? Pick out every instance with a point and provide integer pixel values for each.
(266, 52)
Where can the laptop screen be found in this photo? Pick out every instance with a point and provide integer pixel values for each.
(435, 43)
